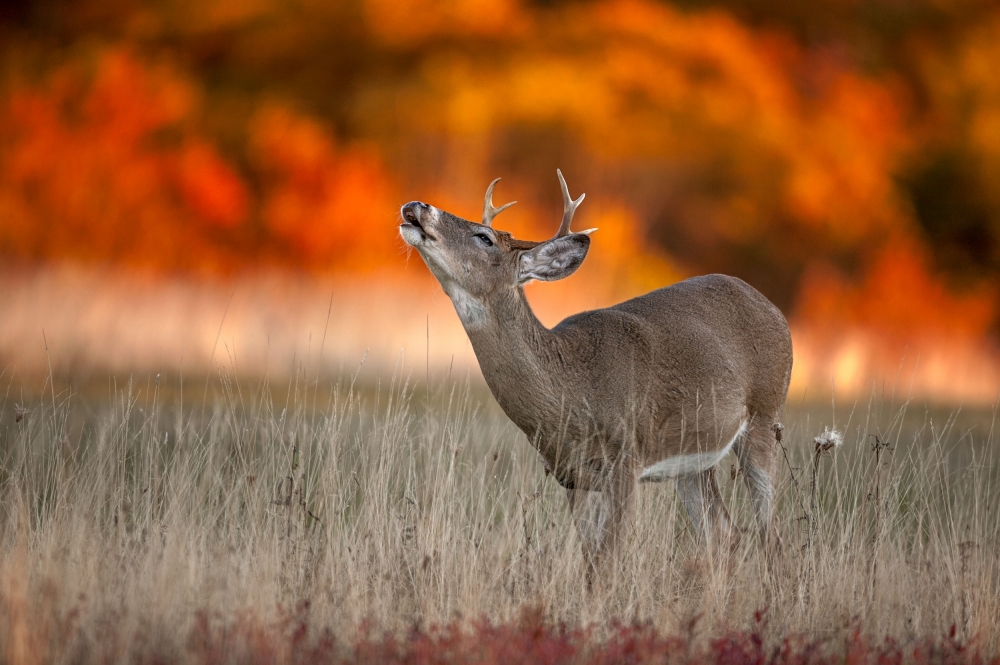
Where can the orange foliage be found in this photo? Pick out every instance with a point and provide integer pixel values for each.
(898, 324)
(81, 175)
(966, 90)
(408, 21)
(327, 203)
(109, 165)
(638, 81)
(898, 298)
(210, 187)
(740, 149)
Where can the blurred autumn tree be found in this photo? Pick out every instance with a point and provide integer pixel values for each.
(842, 156)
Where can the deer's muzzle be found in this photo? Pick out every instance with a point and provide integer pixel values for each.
(412, 229)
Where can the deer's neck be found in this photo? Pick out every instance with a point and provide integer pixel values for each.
(519, 358)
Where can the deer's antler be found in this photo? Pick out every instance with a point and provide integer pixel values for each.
(489, 212)
(569, 207)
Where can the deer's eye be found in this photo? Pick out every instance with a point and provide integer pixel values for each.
(483, 238)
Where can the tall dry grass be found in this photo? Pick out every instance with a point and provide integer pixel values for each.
(150, 512)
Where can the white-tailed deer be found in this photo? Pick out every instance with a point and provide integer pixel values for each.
(658, 387)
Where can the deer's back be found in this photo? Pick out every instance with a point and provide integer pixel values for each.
(707, 345)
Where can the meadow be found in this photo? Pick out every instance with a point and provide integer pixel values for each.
(187, 183)
(336, 519)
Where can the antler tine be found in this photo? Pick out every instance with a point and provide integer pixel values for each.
(489, 212)
(569, 207)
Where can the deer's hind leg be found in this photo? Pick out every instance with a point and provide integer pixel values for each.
(759, 453)
(700, 495)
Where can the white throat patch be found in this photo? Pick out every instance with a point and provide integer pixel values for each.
(471, 311)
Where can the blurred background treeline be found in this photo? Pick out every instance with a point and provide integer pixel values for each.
(841, 156)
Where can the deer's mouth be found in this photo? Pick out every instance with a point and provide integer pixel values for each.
(412, 229)
(413, 232)
(408, 227)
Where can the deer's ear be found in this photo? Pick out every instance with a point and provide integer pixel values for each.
(553, 259)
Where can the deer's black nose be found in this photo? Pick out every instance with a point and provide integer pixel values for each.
(411, 212)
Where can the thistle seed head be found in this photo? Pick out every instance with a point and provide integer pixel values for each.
(828, 440)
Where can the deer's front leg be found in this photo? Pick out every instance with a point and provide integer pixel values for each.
(602, 519)
(590, 514)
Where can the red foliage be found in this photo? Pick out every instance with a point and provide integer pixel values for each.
(292, 638)
(109, 164)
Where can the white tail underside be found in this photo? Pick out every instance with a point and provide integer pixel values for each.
(686, 465)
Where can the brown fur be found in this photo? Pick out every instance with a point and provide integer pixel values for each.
(608, 393)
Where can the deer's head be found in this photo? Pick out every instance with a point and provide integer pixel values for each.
(475, 262)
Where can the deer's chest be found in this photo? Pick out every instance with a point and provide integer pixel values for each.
(578, 459)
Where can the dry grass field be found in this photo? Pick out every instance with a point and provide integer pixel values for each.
(327, 521)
